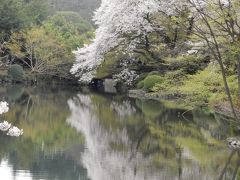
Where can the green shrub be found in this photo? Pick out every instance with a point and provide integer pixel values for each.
(205, 86)
(188, 64)
(172, 79)
(16, 72)
(150, 81)
(140, 84)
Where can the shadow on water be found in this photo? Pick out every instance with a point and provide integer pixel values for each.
(85, 135)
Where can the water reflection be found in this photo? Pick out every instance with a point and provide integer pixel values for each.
(72, 135)
(224, 172)
(6, 171)
(128, 139)
(46, 149)
(99, 158)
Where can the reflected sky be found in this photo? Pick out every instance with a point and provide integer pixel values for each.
(7, 172)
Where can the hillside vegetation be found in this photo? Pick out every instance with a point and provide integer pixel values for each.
(40, 39)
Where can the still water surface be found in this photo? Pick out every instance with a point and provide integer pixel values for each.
(83, 135)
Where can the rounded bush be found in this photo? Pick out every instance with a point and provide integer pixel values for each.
(150, 81)
(140, 84)
(16, 72)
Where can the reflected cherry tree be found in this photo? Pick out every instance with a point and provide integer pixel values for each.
(102, 160)
(123, 109)
(113, 153)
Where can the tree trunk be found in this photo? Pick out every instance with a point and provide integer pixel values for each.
(227, 89)
(238, 76)
(173, 44)
(147, 45)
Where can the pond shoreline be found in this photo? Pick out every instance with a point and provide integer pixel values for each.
(220, 108)
(39, 79)
(136, 93)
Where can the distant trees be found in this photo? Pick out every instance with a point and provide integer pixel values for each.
(84, 7)
(38, 39)
(36, 49)
(16, 14)
(69, 28)
(41, 48)
(11, 15)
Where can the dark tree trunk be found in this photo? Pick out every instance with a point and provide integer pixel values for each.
(147, 43)
(227, 89)
(238, 76)
(175, 38)
(190, 28)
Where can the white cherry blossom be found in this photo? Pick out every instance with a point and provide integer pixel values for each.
(15, 131)
(4, 126)
(3, 107)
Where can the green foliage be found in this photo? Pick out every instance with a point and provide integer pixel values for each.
(188, 64)
(172, 79)
(110, 65)
(81, 24)
(140, 84)
(45, 47)
(201, 88)
(84, 7)
(35, 12)
(151, 81)
(16, 72)
(69, 29)
(17, 14)
(205, 86)
(52, 43)
(10, 13)
(172, 23)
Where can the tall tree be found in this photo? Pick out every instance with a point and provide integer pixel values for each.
(124, 24)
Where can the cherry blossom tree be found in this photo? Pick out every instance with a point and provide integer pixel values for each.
(121, 24)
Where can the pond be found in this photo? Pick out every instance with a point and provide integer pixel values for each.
(84, 135)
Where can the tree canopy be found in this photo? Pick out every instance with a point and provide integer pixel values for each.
(124, 24)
